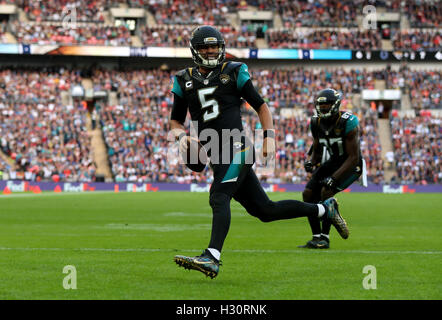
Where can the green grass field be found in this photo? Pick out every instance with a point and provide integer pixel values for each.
(122, 246)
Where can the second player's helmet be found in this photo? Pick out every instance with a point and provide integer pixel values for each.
(327, 103)
(205, 36)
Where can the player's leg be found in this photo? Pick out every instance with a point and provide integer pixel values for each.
(327, 193)
(253, 198)
(309, 196)
(312, 194)
(219, 199)
(324, 241)
(227, 179)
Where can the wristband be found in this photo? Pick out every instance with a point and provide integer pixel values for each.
(269, 133)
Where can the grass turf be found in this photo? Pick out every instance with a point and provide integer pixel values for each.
(122, 246)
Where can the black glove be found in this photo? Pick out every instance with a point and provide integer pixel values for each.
(308, 166)
(329, 182)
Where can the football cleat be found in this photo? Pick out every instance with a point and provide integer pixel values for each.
(311, 244)
(332, 214)
(324, 243)
(204, 263)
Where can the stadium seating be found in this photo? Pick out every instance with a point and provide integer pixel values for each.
(45, 139)
(417, 149)
(135, 126)
(304, 24)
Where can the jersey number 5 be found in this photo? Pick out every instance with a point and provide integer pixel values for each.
(211, 106)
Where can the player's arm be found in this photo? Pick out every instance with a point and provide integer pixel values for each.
(352, 147)
(315, 158)
(315, 155)
(248, 92)
(179, 112)
(265, 117)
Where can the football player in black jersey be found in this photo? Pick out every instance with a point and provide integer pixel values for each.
(212, 93)
(336, 159)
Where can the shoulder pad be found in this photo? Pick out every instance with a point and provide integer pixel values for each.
(184, 73)
(346, 115)
(229, 66)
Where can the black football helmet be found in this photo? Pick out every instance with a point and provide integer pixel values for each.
(202, 37)
(327, 103)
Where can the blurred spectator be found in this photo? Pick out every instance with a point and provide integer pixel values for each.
(33, 33)
(417, 40)
(43, 137)
(324, 39)
(417, 145)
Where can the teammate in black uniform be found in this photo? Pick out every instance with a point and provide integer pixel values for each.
(336, 160)
(212, 94)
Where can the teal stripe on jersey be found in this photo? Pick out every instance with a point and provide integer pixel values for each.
(352, 123)
(235, 167)
(176, 88)
(243, 76)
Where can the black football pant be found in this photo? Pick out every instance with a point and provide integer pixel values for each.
(247, 190)
(315, 192)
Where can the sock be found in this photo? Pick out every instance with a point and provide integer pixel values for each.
(317, 235)
(321, 210)
(325, 235)
(215, 253)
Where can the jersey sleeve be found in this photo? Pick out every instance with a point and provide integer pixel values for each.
(243, 76)
(177, 88)
(351, 124)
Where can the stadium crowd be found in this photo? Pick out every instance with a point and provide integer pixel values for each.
(90, 34)
(417, 40)
(424, 89)
(52, 139)
(417, 149)
(135, 129)
(179, 36)
(324, 39)
(46, 139)
(175, 19)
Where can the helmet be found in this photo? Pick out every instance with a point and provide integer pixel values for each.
(327, 97)
(204, 36)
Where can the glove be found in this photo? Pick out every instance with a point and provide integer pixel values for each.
(308, 166)
(329, 182)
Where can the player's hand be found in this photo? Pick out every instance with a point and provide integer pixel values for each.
(268, 148)
(308, 166)
(329, 182)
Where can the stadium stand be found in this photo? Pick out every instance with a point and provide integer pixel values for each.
(417, 145)
(134, 116)
(46, 139)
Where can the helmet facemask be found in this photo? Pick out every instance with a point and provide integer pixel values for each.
(204, 60)
(333, 110)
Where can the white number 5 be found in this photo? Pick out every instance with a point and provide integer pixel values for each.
(213, 112)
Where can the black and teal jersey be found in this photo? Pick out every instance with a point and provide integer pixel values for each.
(213, 100)
(331, 137)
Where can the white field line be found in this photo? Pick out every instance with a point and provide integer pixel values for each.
(399, 252)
